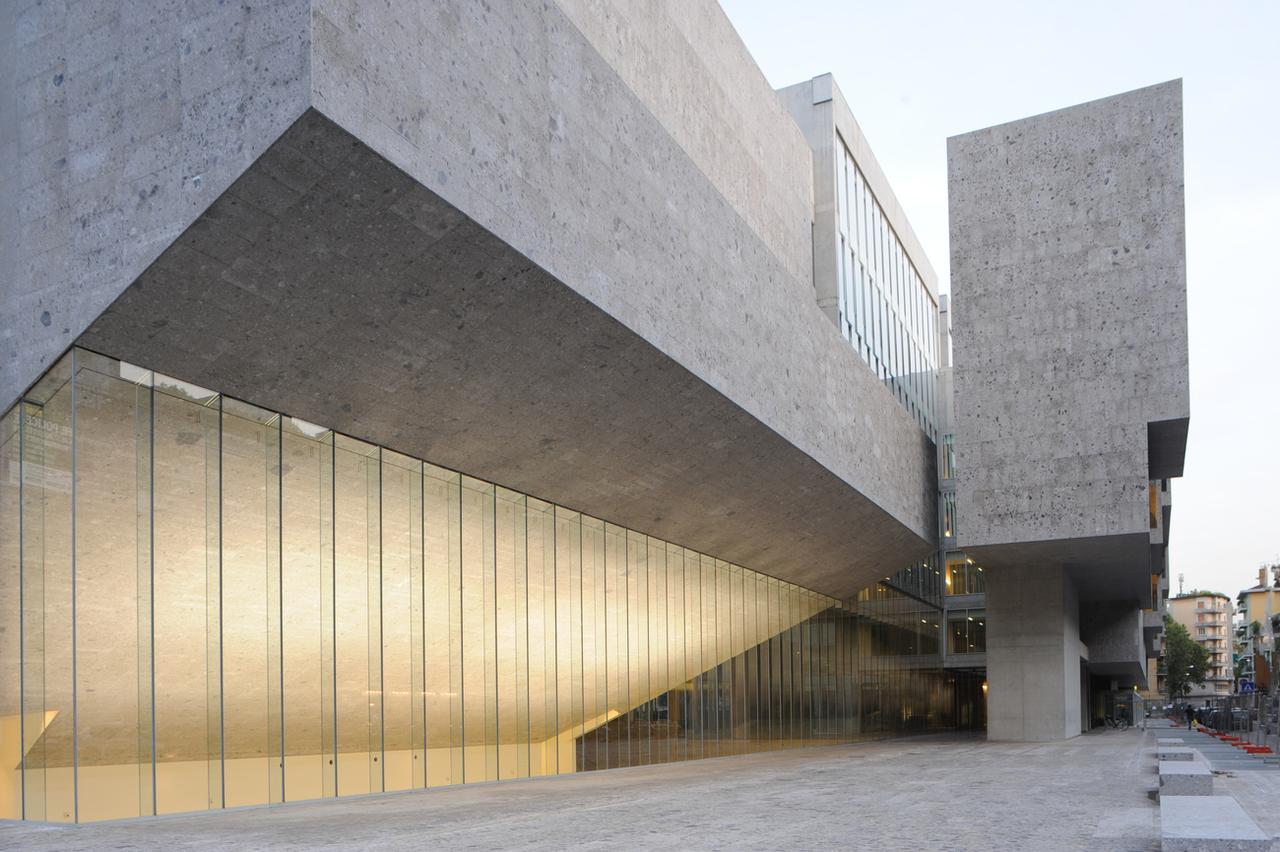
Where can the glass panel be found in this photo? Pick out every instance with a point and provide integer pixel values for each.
(443, 662)
(657, 723)
(764, 636)
(512, 647)
(401, 569)
(540, 564)
(591, 747)
(188, 726)
(638, 644)
(695, 731)
(358, 693)
(249, 483)
(724, 659)
(478, 698)
(568, 598)
(113, 584)
(710, 660)
(307, 615)
(489, 647)
(11, 720)
(678, 674)
(307, 580)
(616, 681)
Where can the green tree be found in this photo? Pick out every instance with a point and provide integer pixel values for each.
(1185, 661)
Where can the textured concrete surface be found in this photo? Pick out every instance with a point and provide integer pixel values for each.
(1068, 270)
(1033, 655)
(686, 63)
(519, 121)
(527, 129)
(1185, 778)
(331, 286)
(1092, 792)
(1103, 568)
(1112, 631)
(1257, 793)
(119, 124)
(1168, 752)
(1202, 823)
(1068, 273)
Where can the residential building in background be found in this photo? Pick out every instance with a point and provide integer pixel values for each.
(1208, 619)
(1256, 627)
(402, 401)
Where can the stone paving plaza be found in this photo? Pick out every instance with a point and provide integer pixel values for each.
(1091, 792)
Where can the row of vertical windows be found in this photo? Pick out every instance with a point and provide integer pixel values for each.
(949, 515)
(964, 576)
(922, 580)
(205, 604)
(966, 631)
(885, 309)
(949, 456)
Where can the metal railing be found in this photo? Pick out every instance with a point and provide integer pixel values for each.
(1253, 717)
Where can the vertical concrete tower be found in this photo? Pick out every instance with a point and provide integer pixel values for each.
(1069, 281)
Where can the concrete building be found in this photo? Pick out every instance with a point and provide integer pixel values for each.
(400, 400)
(1070, 394)
(874, 281)
(1208, 618)
(1256, 627)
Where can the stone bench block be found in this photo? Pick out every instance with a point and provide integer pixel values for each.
(1200, 823)
(1185, 778)
(1175, 753)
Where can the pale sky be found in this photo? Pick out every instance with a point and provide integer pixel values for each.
(915, 73)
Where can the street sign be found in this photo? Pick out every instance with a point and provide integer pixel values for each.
(1246, 685)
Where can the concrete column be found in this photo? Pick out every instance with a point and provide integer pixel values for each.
(1033, 655)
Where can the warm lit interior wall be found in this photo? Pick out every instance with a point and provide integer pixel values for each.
(208, 604)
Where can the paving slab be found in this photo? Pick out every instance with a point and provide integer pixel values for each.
(1088, 793)
(1257, 793)
(1183, 778)
(1200, 823)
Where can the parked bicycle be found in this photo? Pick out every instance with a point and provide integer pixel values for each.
(1119, 724)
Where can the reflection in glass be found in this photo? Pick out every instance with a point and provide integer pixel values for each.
(964, 576)
(267, 611)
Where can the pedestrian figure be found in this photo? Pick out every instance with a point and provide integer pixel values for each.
(1191, 717)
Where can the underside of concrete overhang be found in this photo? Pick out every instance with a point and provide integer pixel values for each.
(327, 284)
(1167, 447)
(1104, 568)
(1126, 672)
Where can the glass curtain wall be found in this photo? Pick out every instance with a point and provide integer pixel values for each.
(964, 576)
(208, 604)
(886, 311)
(966, 631)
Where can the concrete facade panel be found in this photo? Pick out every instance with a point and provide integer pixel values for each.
(1112, 632)
(334, 287)
(119, 124)
(761, 168)
(583, 177)
(1068, 266)
(1033, 655)
(684, 217)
